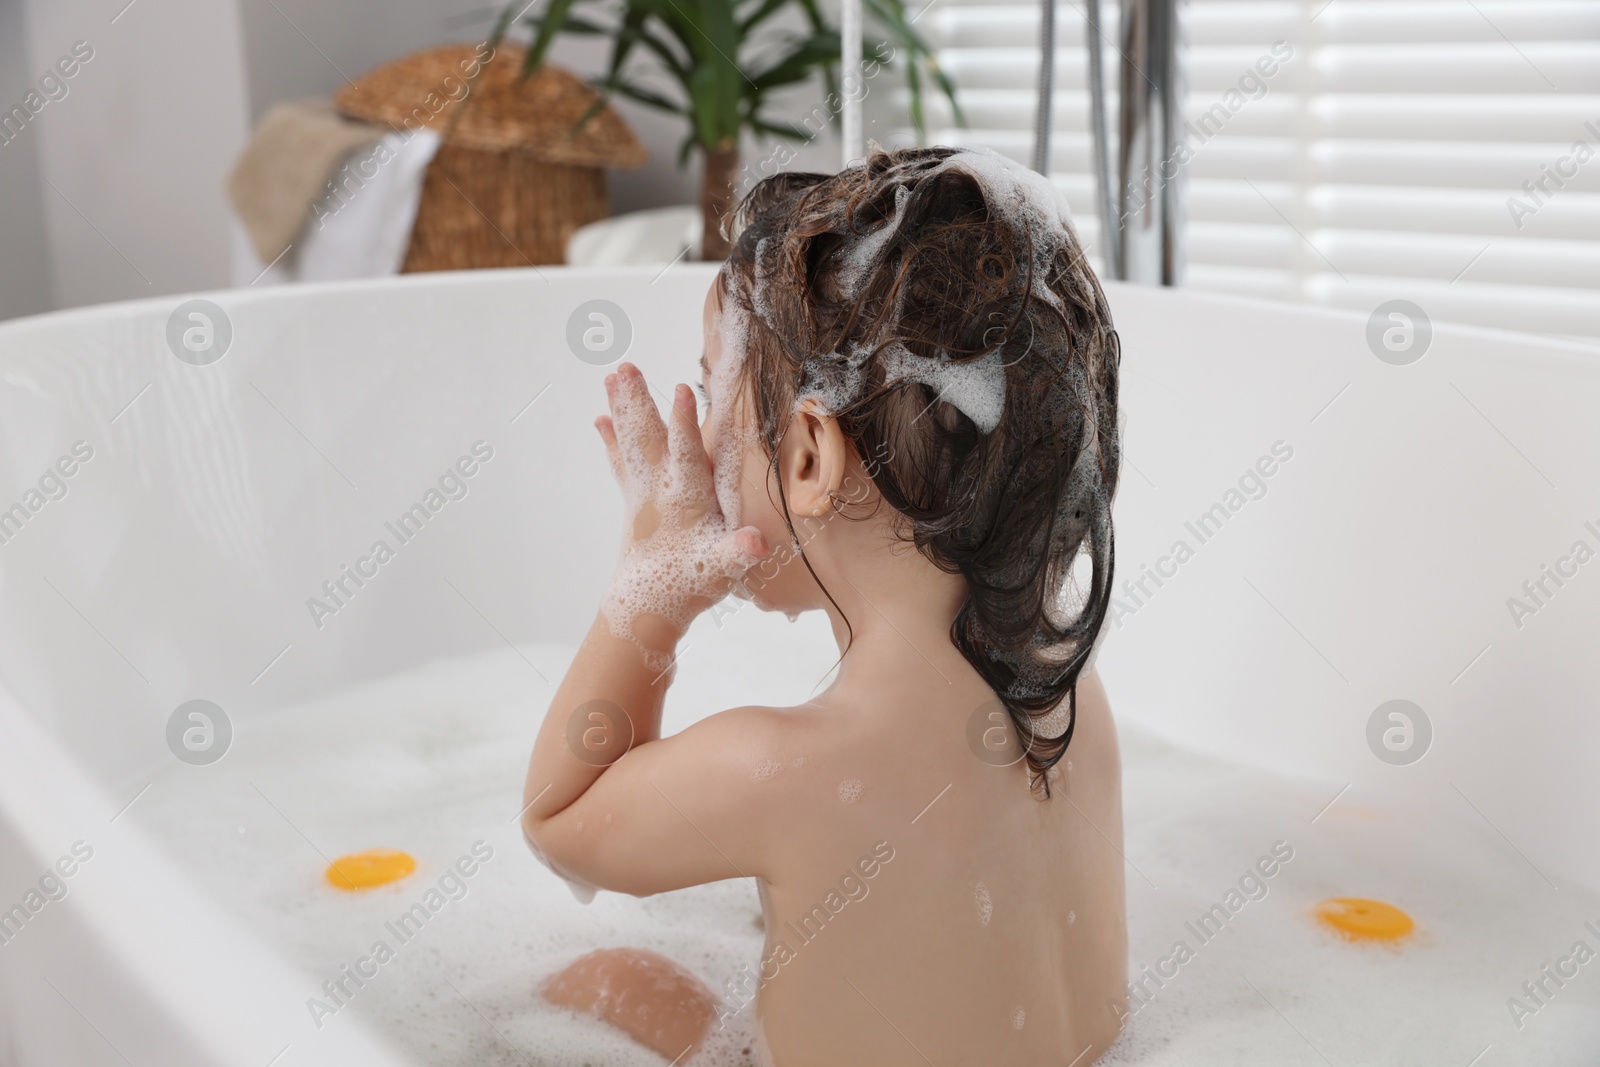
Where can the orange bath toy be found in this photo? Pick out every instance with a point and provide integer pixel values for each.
(1360, 919)
(374, 867)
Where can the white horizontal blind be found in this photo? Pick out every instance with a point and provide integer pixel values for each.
(1386, 158)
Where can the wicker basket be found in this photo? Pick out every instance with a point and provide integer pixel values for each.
(512, 180)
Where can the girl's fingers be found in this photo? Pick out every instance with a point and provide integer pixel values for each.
(608, 435)
(740, 550)
(638, 425)
(684, 408)
(753, 541)
(683, 433)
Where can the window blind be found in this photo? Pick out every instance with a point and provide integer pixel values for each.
(1444, 151)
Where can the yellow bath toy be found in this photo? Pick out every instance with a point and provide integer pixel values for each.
(374, 867)
(1360, 919)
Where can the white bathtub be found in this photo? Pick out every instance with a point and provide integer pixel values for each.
(218, 499)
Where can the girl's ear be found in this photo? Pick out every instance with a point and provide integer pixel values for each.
(812, 461)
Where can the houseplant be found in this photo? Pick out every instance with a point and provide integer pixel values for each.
(725, 58)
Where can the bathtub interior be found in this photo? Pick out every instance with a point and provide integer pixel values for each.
(1405, 507)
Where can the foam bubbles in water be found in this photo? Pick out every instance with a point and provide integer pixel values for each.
(582, 891)
(433, 759)
(1485, 922)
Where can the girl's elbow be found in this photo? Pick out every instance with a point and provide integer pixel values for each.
(549, 849)
(544, 842)
(582, 862)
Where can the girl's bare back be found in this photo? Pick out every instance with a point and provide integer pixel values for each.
(991, 928)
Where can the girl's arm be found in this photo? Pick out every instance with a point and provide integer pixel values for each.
(608, 801)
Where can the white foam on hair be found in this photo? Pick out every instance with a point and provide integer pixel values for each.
(1024, 189)
(862, 256)
(1031, 211)
(976, 388)
(731, 432)
(760, 302)
(1028, 202)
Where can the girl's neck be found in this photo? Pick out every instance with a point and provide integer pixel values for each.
(894, 598)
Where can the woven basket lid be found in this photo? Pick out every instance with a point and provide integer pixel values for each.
(502, 111)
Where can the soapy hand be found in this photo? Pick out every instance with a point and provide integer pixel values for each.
(680, 554)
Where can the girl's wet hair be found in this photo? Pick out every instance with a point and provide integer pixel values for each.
(937, 302)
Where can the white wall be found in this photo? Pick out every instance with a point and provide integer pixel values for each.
(131, 160)
(24, 249)
(301, 48)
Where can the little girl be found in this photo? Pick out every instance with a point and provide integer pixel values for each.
(910, 387)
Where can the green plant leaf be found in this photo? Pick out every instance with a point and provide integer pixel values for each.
(819, 24)
(801, 61)
(627, 35)
(949, 89)
(574, 24)
(629, 32)
(728, 80)
(918, 120)
(765, 10)
(677, 66)
(552, 22)
(779, 129)
(892, 15)
(698, 43)
(682, 24)
(650, 97)
(501, 25)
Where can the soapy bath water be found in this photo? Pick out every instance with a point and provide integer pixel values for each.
(432, 762)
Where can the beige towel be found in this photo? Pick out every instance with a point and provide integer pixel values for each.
(286, 166)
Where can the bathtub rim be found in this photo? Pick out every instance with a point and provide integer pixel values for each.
(1553, 346)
